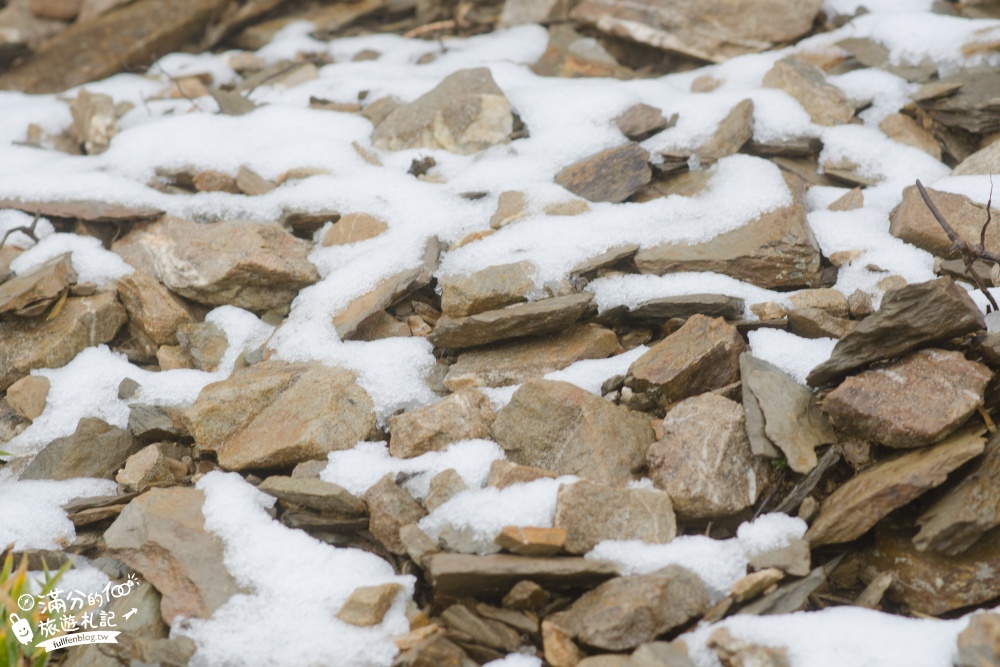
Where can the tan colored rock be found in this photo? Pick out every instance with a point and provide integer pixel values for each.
(27, 396)
(558, 426)
(491, 288)
(591, 513)
(702, 355)
(58, 10)
(979, 643)
(730, 135)
(316, 409)
(210, 180)
(612, 175)
(95, 449)
(905, 130)
(530, 541)
(858, 504)
(443, 487)
(30, 343)
(152, 308)
(206, 343)
(568, 208)
(504, 473)
(826, 104)
(913, 402)
(368, 605)
(755, 583)
(984, 161)
(526, 595)
(733, 651)
(704, 461)
(467, 112)
(354, 228)
(252, 265)
(315, 494)
(511, 206)
(816, 323)
(391, 508)
(570, 54)
(494, 575)
(558, 646)
(172, 357)
(381, 325)
(147, 467)
(851, 200)
(768, 310)
(505, 364)
(860, 304)
(828, 300)
(640, 121)
(248, 181)
(34, 292)
(913, 222)
(464, 415)
(684, 306)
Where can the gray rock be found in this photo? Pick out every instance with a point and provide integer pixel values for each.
(494, 575)
(612, 175)
(640, 121)
(973, 107)
(659, 654)
(984, 161)
(314, 494)
(96, 449)
(591, 513)
(710, 305)
(816, 323)
(156, 422)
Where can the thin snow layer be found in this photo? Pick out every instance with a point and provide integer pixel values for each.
(792, 354)
(359, 468)
(840, 636)
(476, 516)
(33, 517)
(11, 219)
(296, 584)
(88, 385)
(515, 660)
(720, 563)
(633, 289)
(92, 263)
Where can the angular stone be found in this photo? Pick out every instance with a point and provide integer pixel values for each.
(443, 487)
(640, 121)
(537, 317)
(464, 415)
(152, 308)
(530, 541)
(984, 161)
(828, 300)
(481, 631)
(519, 12)
(914, 223)
(701, 356)
(752, 585)
(417, 543)
(910, 317)
(732, 132)
(684, 306)
(391, 508)
(27, 396)
(314, 494)
(252, 265)
(858, 504)
(96, 449)
(591, 513)
(526, 595)
(354, 228)
(570, 54)
(144, 469)
(851, 200)
(973, 107)
(316, 409)
(156, 422)
(967, 511)
(494, 575)
(172, 357)
(979, 643)
(627, 611)
(612, 175)
(775, 250)
(793, 558)
(368, 605)
(86, 210)
(816, 323)
(250, 182)
(465, 113)
(162, 535)
(512, 205)
(382, 325)
(826, 104)
(905, 130)
(94, 121)
(514, 362)
(504, 473)
(659, 654)
(206, 343)
(558, 647)
(912, 402)
(558, 426)
(491, 288)
(435, 651)
(37, 288)
(210, 180)
(733, 651)
(704, 461)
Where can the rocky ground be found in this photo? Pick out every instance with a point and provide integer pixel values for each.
(530, 332)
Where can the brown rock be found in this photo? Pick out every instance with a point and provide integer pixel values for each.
(537, 317)
(58, 10)
(611, 175)
(435, 651)
(558, 426)
(250, 182)
(591, 513)
(257, 266)
(86, 210)
(511, 206)
(984, 161)
(825, 104)
(391, 508)
(905, 130)
(381, 325)
(443, 487)
(979, 643)
(913, 402)
(702, 355)
(913, 222)
(354, 228)
(568, 208)
(860, 304)
(27, 396)
(973, 106)
(33, 292)
(368, 605)
(482, 576)
(152, 308)
(96, 449)
(162, 535)
(171, 357)
(145, 468)
(734, 131)
(526, 595)
(465, 113)
(851, 200)
(755, 583)
(530, 541)
(828, 300)
(504, 473)
(816, 323)
(315, 494)
(316, 410)
(910, 317)
(204, 342)
(493, 287)
(684, 306)
(210, 180)
(461, 416)
(704, 461)
(857, 505)
(558, 646)
(506, 364)
(640, 121)
(735, 652)
(481, 631)
(29, 343)
(570, 54)
(627, 611)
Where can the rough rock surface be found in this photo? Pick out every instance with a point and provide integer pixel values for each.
(38, 289)
(612, 175)
(489, 289)
(914, 223)
(464, 415)
(537, 317)
(152, 308)
(314, 494)
(591, 513)
(826, 104)
(96, 449)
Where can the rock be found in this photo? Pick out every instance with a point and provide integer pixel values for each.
(684, 306)
(591, 513)
(530, 541)
(512, 205)
(570, 207)
(769, 311)
(443, 487)
(526, 595)
(558, 647)
(465, 113)
(519, 12)
(775, 250)
(789, 417)
(316, 409)
(905, 130)
(482, 631)
(931, 583)
(828, 300)
(700, 356)
(156, 422)
(418, 544)
(641, 121)
(504, 473)
(979, 643)
(86, 210)
(96, 449)
(94, 50)
(965, 512)
(612, 175)
(735, 652)
(910, 317)
(973, 107)
(94, 121)
(570, 54)
(912, 402)
(714, 32)
(152, 308)
(602, 260)
(558, 426)
(826, 104)
(162, 535)
(391, 508)
(483, 576)
(514, 362)
(250, 182)
(984, 161)
(256, 266)
(464, 415)
(860, 304)
(210, 180)
(368, 605)
(627, 611)
(858, 504)
(435, 651)
(144, 469)
(816, 323)
(851, 200)
(354, 228)
(381, 325)
(537, 317)
(27, 396)
(315, 494)
(172, 357)
(914, 223)
(732, 132)
(204, 342)
(793, 558)
(493, 287)
(752, 585)
(704, 461)
(32, 293)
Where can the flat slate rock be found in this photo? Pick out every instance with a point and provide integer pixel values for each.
(84, 209)
(24, 294)
(529, 319)
(612, 175)
(462, 575)
(910, 317)
(914, 223)
(686, 305)
(96, 449)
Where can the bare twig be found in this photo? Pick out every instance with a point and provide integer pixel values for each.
(27, 231)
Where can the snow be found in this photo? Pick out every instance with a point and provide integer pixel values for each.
(32, 509)
(92, 263)
(792, 354)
